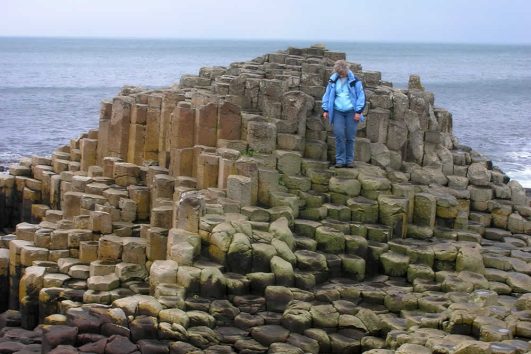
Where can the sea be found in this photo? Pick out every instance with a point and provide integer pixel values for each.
(51, 88)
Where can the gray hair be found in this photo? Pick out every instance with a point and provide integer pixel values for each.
(341, 66)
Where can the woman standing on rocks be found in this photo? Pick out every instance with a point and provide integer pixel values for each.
(343, 102)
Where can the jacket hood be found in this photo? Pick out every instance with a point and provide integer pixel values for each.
(350, 76)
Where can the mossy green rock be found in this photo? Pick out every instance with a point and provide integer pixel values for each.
(394, 264)
(363, 210)
(324, 316)
(329, 240)
(356, 245)
(370, 319)
(240, 254)
(469, 258)
(425, 208)
(283, 251)
(311, 261)
(353, 266)
(262, 254)
(345, 185)
(283, 271)
(280, 230)
(296, 320)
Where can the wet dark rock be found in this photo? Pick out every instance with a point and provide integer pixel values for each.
(11, 347)
(151, 346)
(58, 335)
(245, 320)
(120, 345)
(200, 318)
(10, 318)
(284, 348)
(64, 349)
(250, 303)
(198, 303)
(223, 311)
(84, 338)
(203, 337)
(182, 348)
(269, 334)
(271, 318)
(144, 327)
(220, 349)
(97, 347)
(344, 344)
(84, 320)
(307, 344)
(21, 335)
(231, 334)
(296, 320)
(250, 346)
(110, 329)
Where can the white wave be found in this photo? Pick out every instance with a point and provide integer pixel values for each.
(522, 176)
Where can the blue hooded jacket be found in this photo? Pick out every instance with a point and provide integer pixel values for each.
(357, 95)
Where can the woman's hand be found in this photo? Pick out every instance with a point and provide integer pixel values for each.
(357, 117)
(325, 115)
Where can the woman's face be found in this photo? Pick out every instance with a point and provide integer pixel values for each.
(342, 73)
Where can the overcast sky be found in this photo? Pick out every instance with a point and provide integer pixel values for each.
(476, 21)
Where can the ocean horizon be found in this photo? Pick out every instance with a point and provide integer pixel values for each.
(51, 87)
(235, 39)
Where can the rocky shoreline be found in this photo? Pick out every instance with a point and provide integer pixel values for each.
(205, 218)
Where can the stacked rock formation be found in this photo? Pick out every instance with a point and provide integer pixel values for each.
(205, 218)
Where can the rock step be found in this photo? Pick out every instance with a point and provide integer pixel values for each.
(340, 305)
(428, 303)
(419, 253)
(290, 142)
(393, 245)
